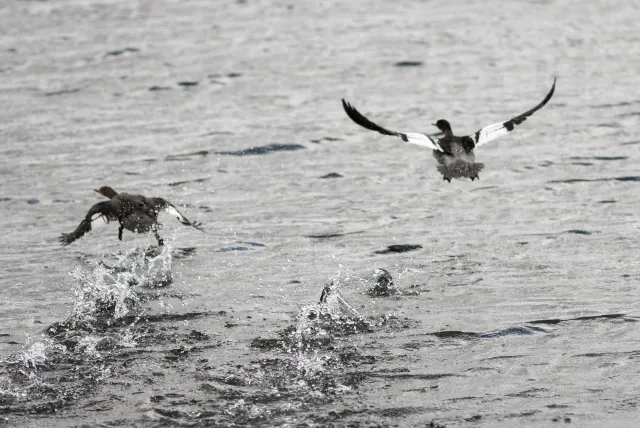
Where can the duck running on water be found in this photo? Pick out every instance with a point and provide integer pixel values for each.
(136, 213)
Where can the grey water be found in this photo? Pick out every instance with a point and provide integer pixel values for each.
(515, 298)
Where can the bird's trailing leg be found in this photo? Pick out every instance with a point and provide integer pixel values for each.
(120, 229)
(160, 240)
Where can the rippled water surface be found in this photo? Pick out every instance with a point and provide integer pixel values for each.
(514, 300)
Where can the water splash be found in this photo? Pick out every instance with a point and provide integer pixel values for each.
(383, 284)
(20, 375)
(102, 298)
(82, 348)
(148, 266)
(332, 316)
(34, 354)
(311, 342)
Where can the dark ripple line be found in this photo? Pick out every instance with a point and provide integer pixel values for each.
(401, 376)
(180, 317)
(554, 321)
(620, 104)
(511, 331)
(62, 92)
(603, 158)
(263, 150)
(632, 178)
(197, 180)
(607, 354)
(183, 156)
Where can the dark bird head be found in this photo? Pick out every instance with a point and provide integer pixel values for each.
(107, 192)
(443, 126)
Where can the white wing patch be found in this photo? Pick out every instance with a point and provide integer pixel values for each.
(421, 140)
(171, 210)
(98, 220)
(489, 133)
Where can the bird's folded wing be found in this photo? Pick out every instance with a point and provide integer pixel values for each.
(409, 137)
(491, 132)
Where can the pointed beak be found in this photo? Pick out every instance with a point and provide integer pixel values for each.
(434, 125)
(97, 191)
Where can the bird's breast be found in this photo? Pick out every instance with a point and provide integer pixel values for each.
(454, 152)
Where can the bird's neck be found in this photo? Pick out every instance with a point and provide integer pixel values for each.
(448, 133)
(110, 194)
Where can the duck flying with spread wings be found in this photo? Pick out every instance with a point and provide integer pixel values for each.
(454, 154)
(136, 213)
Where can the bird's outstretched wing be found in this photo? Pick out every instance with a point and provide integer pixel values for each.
(409, 137)
(102, 211)
(172, 210)
(491, 132)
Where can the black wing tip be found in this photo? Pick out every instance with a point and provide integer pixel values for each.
(361, 120)
(353, 113)
(519, 119)
(194, 224)
(65, 239)
(550, 94)
(553, 87)
(346, 106)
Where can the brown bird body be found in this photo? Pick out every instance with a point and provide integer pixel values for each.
(136, 213)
